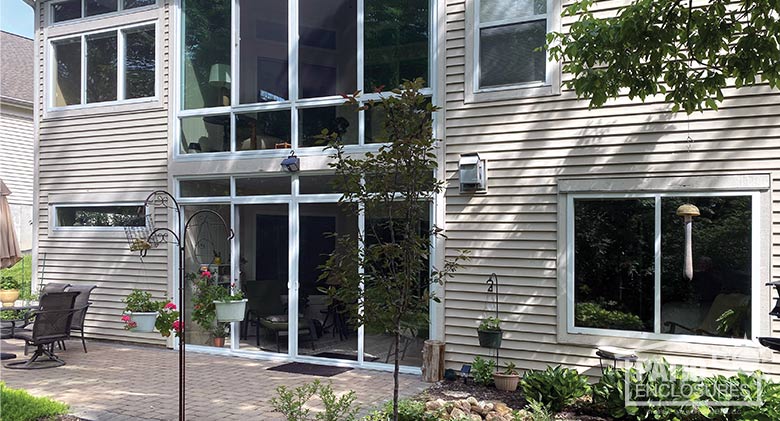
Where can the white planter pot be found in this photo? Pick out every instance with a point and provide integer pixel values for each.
(144, 322)
(230, 311)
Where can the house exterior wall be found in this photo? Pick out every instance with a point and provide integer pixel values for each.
(517, 229)
(16, 167)
(101, 155)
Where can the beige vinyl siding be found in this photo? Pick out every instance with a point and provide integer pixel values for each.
(16, 153)
(103, 155)
(530, 144)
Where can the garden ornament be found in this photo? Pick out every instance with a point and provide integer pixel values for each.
(688, 211)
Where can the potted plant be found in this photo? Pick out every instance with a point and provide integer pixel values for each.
(141, 312)
(219, 331)
(507, 380)
(230, 306)
(9, 290)
(207, 295)
(489, 333)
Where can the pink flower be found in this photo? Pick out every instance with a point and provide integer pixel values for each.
(176, 326)
(170, 306)
(205, 274)
(125, 318)
(132, 324)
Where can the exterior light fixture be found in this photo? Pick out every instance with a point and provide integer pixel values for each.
(688, 211)
(472, 173)
(292, 163)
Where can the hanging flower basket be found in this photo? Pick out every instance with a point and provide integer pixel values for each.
(489, 338)
(143, 321)
(231, 311)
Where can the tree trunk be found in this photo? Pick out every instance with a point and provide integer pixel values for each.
(395, 369)
(433, 361)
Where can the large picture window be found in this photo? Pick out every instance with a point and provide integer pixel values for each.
(118, 65)
(277, 91)
(628, 258)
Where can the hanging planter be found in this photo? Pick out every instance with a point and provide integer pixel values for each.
(144, 315)
(230, 311)
(489, 333)
(141, 321)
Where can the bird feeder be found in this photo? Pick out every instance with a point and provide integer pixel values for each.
(687, 212)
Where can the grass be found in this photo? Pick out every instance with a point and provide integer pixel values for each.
(22, 272)
(18, 405)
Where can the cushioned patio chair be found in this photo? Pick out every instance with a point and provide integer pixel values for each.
(52, 324)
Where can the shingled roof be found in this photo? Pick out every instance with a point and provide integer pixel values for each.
(16, 68)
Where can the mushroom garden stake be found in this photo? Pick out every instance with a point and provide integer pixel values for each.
(688, 211)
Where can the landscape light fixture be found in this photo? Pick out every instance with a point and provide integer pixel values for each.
(292, 163)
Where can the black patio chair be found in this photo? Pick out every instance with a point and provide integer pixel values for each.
(53, 287)
(52, 324)
(82, 302)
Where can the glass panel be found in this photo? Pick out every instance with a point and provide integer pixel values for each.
(204, 188)
(317, 184)
(101, 216)
(507, 54)
(263, 233)
(395, 42)
(342, 120)
(131, 4)
(325, 329)
(262, 186)
(375, 125)
(721, 283)
(66, 10)
(139, 63)
(498, 10)
(208, 250)
(206, 56)
(67, 55)
(263, 51)
(614, 263)
(266, 130)
(327, 48)
(98, 7)
(101, 67)
(379, 345)
(205, 134)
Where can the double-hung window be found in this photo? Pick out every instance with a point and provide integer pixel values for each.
(505, 50)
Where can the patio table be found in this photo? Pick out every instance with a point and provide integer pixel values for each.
(9, 325)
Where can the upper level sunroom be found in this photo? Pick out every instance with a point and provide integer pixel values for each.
(261, 77)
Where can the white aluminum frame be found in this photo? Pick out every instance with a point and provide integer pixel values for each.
(756, 283)
(54, 222)
(121, 33)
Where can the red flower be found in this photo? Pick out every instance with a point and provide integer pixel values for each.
(125, 318)
(197, 306)
(170, 306)
(176, 326)
(205, 274)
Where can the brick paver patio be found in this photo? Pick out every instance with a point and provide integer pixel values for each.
(116, 382)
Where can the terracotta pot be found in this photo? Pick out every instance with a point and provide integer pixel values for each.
(506, 382)
(219, 342)
(8, 296)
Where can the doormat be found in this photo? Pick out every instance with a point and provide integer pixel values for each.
(344, 356)
(310, 369)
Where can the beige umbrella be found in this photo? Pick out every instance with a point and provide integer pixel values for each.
(9, 247)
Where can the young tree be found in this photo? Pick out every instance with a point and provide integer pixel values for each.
(381, 276)
(687, 52)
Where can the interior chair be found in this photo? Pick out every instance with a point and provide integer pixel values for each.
(52, 324)
(279, 326)
(82, 302)
(709, 324)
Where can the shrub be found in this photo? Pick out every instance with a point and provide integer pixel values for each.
(408, 410)
(9, 282)
(491, 323)
(594, 315)
(482, 370)
(18, 405)
(292, 403)
(554, 387)
(141, 302)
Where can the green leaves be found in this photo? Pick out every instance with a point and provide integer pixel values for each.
(662, 47)
(554, 387)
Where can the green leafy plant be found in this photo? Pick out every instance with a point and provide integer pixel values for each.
(594, 315)
(9, 282)
(490, 324)
(733, 322)
(205, 292)
(22, 273)
(292, 403)
(139, 301)
(18, 405)
(535, 411)
(510, 369)
(482, 369)
(554, 387)
(408, 410)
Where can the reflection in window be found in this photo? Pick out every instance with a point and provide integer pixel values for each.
(205, 134)
(396, 42)
(263, 51)
(99, 7)
(614, 263)
(101, 67)
(139, 63)
(206, 55)
(265, 130)
(261, 186)
(101, 216)
(204, 188)
(66, 10)
(67, 55)
(327, 48)
(130, 4)
(341, 120)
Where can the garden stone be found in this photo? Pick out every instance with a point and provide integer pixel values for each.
(457, 413)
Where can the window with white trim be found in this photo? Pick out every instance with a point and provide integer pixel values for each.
(106, 66)
(105, 216)
(626, 255)
(69, 10)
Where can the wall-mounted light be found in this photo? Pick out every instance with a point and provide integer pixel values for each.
(292, 163)
(472, 173)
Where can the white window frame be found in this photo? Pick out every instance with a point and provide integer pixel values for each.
(474, 93)
(54, 222)
(121, 33)
(294, 103)
(120, 10)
